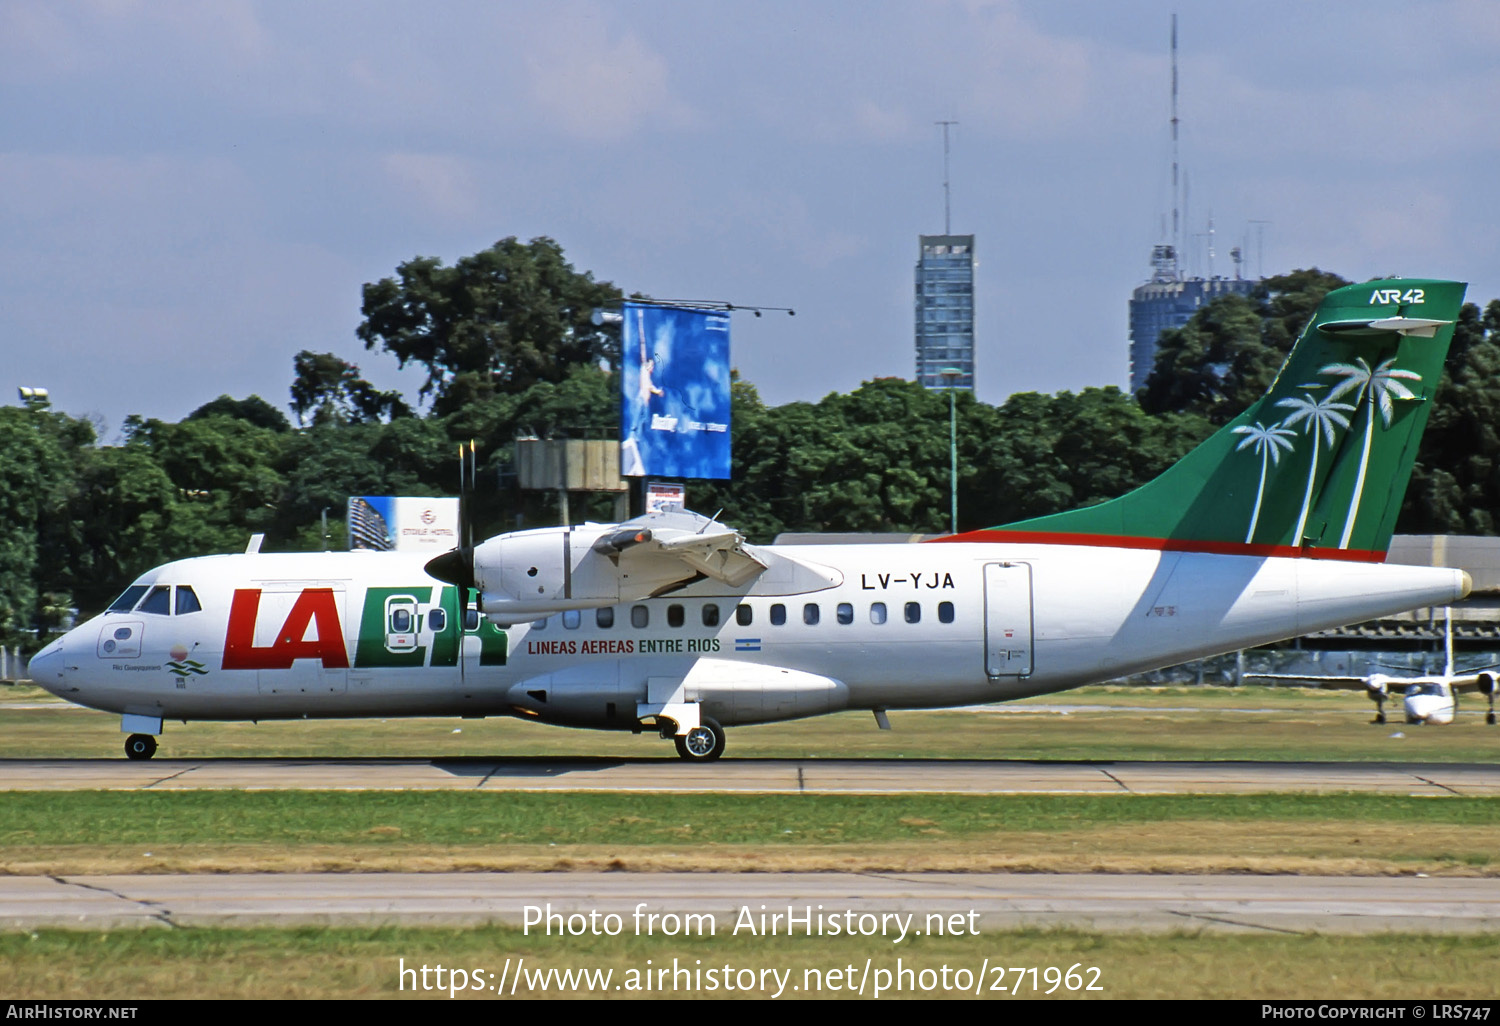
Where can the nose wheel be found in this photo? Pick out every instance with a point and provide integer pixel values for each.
(140, 746)
(703, 743)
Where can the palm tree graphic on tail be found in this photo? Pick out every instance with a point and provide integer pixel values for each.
(1320, 419)
(1374, 389)
(1269, 443)
(1371, 388)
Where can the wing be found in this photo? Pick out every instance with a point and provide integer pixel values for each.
(1482, 682)
(1335, 683)
(679, 547)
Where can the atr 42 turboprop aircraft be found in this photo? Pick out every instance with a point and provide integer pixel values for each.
(1275, 526)
(1429, 698)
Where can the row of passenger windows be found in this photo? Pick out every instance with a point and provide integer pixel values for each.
(158, 600)
(744, 615)
(405, 620)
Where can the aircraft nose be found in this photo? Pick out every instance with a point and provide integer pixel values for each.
(46, 667)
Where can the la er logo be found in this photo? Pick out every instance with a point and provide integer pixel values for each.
(311, 631)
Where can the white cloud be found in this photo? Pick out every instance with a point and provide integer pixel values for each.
(102, 35)
(1389, 226)
(35, 37)
(786, 224)
(441, 184)
(1025, 80)
(883, 122)
(1480, 21)
(595, 83)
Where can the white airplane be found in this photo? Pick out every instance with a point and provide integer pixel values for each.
(1429, 698)
(1275, 526)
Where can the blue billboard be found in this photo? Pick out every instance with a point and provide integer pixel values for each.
(674, 417)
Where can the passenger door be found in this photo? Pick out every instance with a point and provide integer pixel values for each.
(1007, 620)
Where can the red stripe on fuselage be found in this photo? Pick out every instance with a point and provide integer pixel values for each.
(1125, 541)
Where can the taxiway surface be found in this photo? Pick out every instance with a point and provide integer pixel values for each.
(820, 776)
(998, 900)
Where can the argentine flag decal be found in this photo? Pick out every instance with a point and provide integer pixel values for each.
(747, 644)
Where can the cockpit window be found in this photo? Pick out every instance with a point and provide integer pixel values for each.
(128, 598)
(159, 601)
(187, 601)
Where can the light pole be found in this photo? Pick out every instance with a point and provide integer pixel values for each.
(950, 376)
(34, 398)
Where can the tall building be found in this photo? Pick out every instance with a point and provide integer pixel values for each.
(1171, 297)
(1169, 300)
(945, 311)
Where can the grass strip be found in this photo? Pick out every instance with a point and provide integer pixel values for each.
(365, 963)
(443, 817)
(1108, 722)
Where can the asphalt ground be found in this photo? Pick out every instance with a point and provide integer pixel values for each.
(982, 901)
(819, 776)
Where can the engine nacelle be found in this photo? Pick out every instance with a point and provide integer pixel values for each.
(528, 575)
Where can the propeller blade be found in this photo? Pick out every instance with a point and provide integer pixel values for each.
(456, 566)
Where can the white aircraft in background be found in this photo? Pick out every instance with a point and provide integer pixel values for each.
(1275, 526)
(1428, 698)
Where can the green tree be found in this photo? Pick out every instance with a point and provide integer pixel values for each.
(324, 465)
(754, 497)
(1455, 486)
(1226, 357)
(124, 506)
(225, 473)
(255, 410)
(328, 389)
(498, 321)
(1288, 301)
(37, 481)
(1045, 454)
(1215, 365)
(884, 466)
(874, 460)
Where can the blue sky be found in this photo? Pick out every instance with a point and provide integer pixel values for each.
(191, 193)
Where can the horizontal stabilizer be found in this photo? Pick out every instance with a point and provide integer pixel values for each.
(1418, 327)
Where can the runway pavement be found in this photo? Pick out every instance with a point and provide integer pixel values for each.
(997, 900)
(1105, 902)
(831, 776)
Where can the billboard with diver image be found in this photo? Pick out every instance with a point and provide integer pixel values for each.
(674, 417)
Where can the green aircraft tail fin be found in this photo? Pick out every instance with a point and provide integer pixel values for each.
(1318, 466)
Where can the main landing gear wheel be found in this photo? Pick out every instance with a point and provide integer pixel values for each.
(703, 743)
(140, 746)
